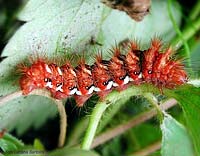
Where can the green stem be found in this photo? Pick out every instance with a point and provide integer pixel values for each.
(178, 31)
(154, 102)
(195, 11)
(112, 98)
(187, 33)
(133, 122)
(93, 123)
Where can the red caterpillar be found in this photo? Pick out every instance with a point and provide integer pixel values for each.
(136, 67)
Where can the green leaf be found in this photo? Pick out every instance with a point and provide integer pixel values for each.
(38, 144)
(7, 146)
(72, 152)
(64, 26)
(21, 113)
(10, 143)
(12, 146)
(176, 140)
(188, 98)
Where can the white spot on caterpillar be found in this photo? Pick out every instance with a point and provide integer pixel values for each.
(87, 71)
(130, 79)
(115, 84)
(72, 72)
(90, 91)
(49, 84)
(126, 80)
(48, 69)
(140, 75)
(78, 92)
(96, 89)
(59, 88)
(110, 84)
(59, 71)
(73, 91)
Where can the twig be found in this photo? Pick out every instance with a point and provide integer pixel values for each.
(148, 150)
(59, 104)
(63, 123)
(104, 137)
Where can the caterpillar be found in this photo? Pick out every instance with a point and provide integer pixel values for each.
(154, 65)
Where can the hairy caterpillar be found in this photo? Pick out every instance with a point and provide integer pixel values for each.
(135, 67)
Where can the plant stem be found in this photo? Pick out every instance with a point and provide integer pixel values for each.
(154, 102)
(115, 98)
(63, 123)
(195, 11)
(148, 150)
(179, 33)
(62, 114)
(99, 109)
(45, 93)
(93, 123)
(187, 33)
(120, 129)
